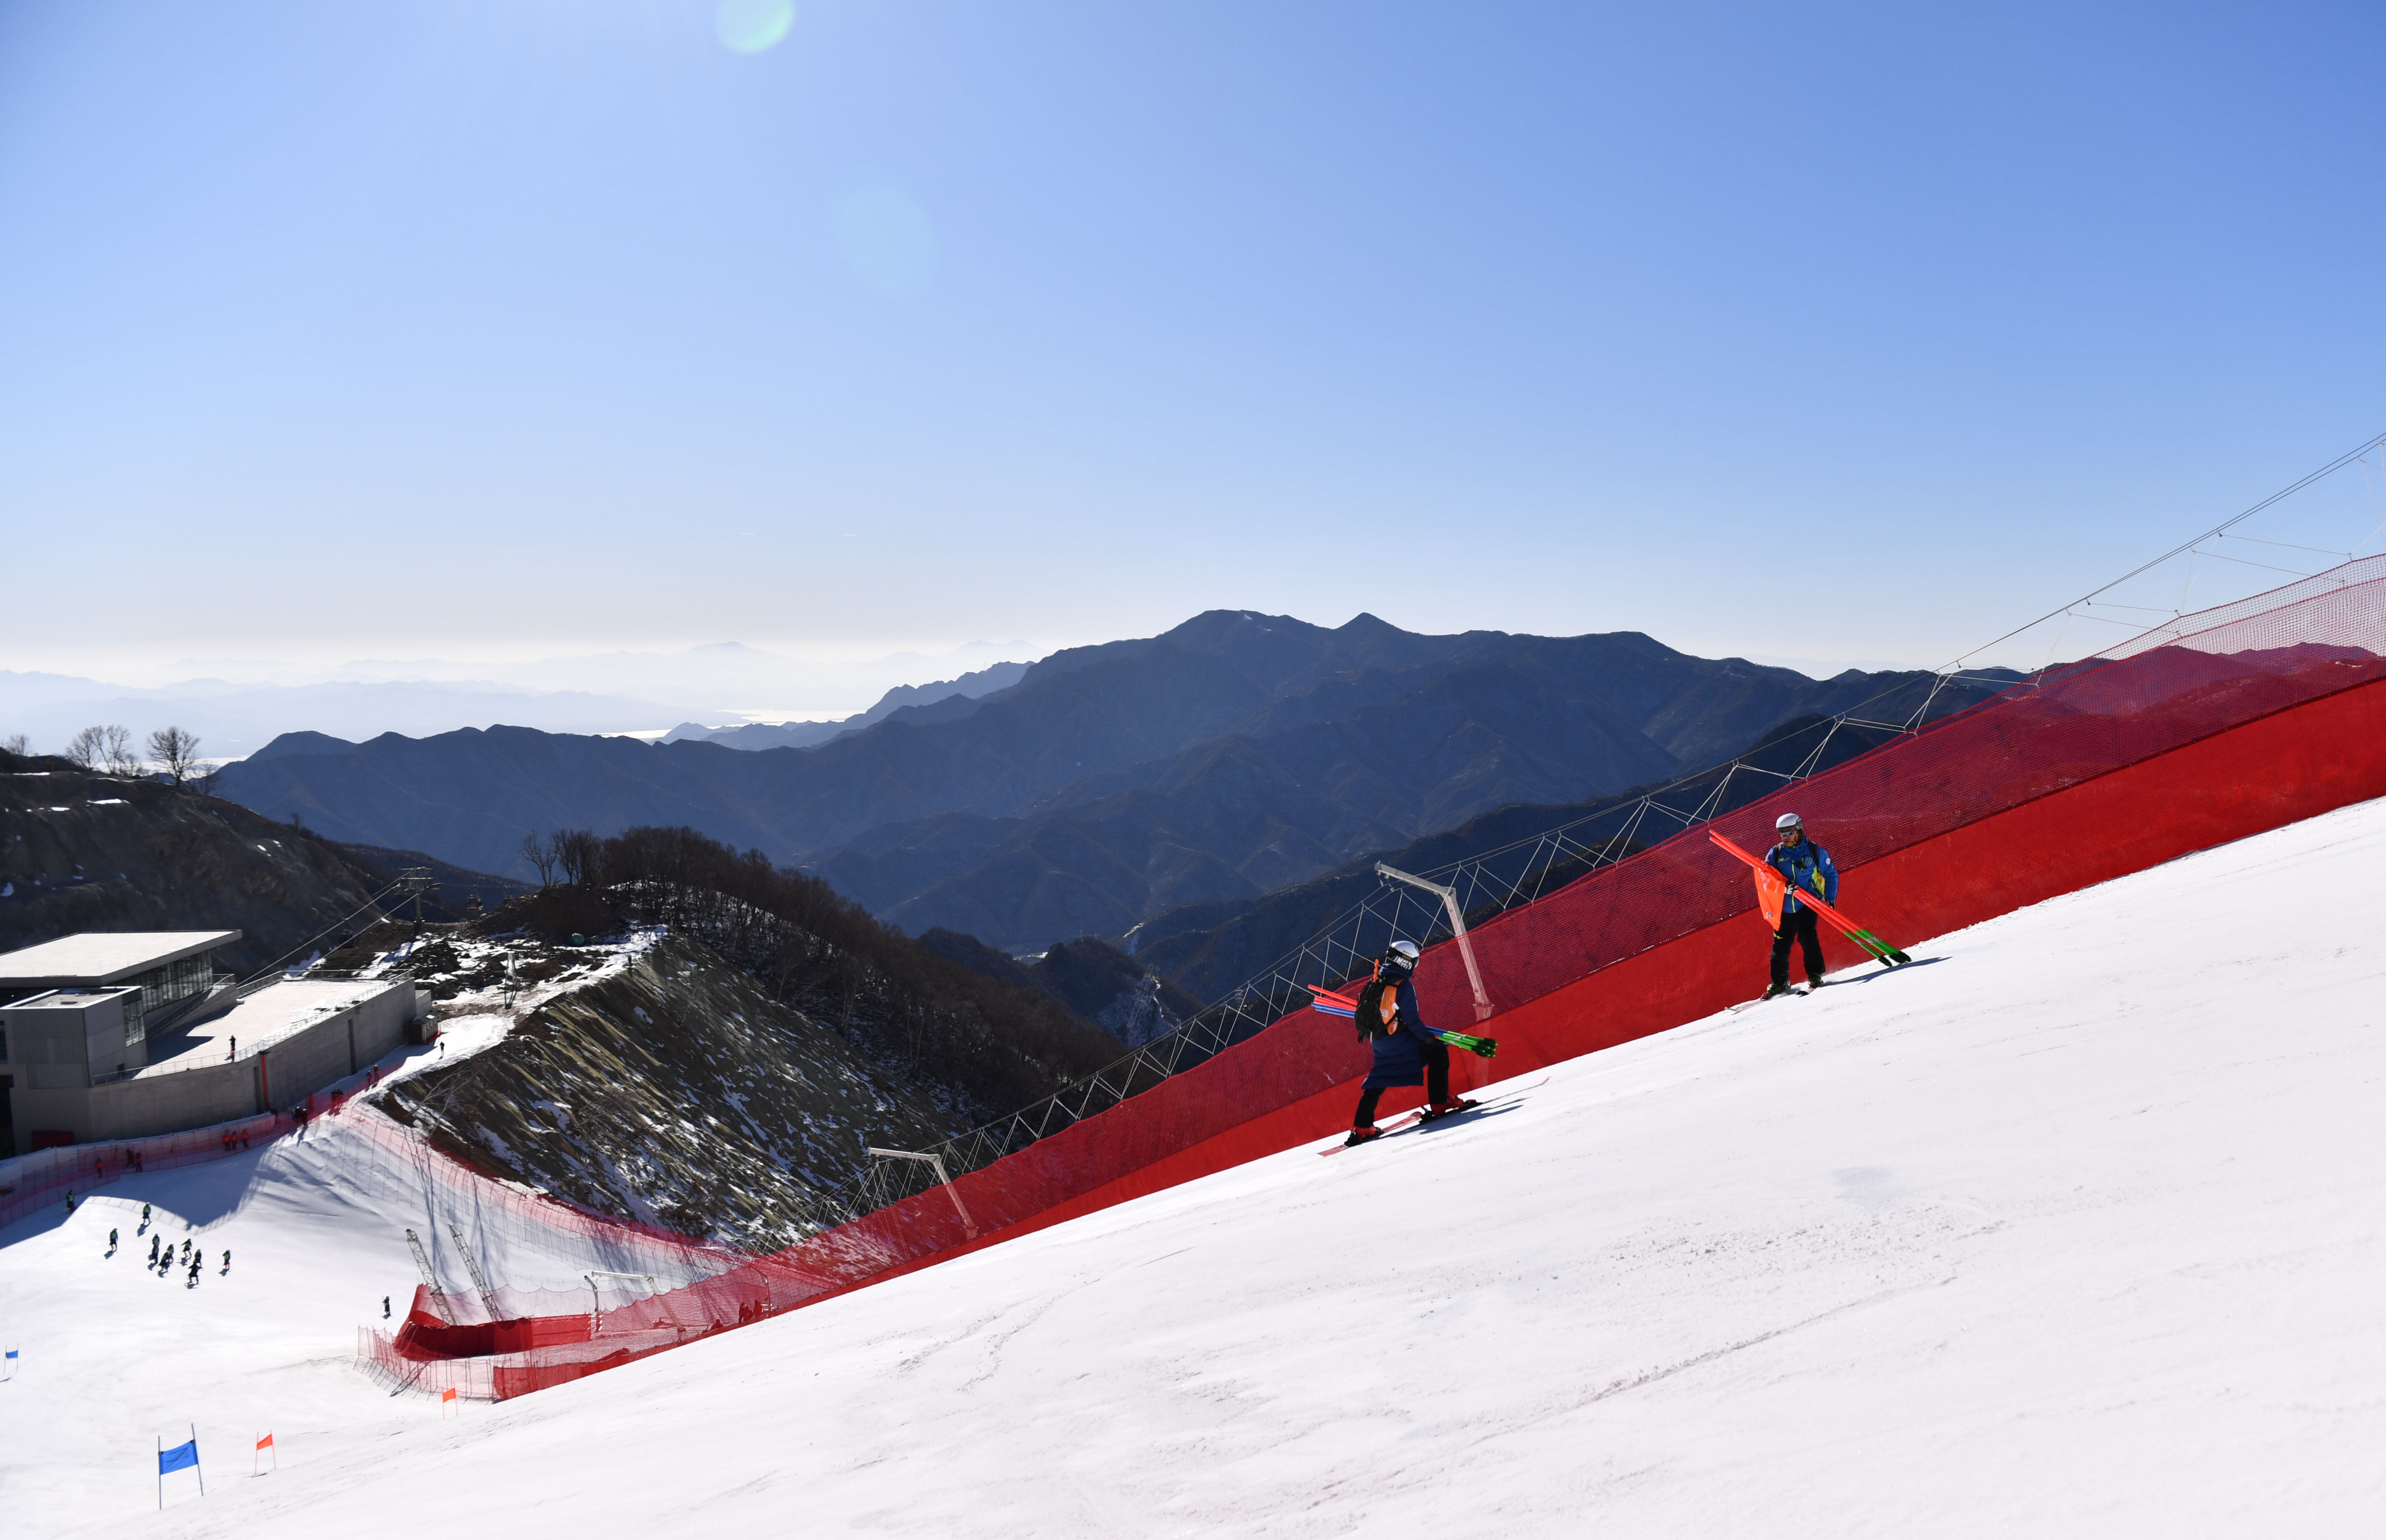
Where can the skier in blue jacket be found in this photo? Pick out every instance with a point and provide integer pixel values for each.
(1407, 1051)
(1807, 868)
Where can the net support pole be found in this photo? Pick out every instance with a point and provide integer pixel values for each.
(645, 1278)
(430, 1279)
(936, 1164)
(1448, 896)
(472, 1266)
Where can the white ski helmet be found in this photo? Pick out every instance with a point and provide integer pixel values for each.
(1402, 954)
(1788, 821)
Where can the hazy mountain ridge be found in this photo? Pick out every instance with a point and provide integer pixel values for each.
(1224, 758)
(1372, 761)
(797, 734)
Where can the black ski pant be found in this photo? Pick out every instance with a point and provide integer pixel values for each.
(1435, 1054)
(1800, 928)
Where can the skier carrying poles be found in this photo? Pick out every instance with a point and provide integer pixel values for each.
(1407, 1051)
(1805, 867)
(1796, 885)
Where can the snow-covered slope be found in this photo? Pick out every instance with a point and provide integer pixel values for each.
(2075, 1229)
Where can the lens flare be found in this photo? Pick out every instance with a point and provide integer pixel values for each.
(887, 239)
(751, 26)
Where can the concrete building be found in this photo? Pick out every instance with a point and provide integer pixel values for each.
(172, 972)
(84, 1056)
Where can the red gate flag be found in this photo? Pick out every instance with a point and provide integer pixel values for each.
(447, 1394)
(266, 1442)
(1770, 885)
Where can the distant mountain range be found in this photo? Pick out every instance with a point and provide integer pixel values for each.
(1217, 763)
(984, 682)
(234, 719)
(623, 692)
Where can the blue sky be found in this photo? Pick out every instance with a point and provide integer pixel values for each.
(516, 327)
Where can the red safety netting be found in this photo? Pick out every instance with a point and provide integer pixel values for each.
(45, 1178)
(29, 1183)
(2206, 676)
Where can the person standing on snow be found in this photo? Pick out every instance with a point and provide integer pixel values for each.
(1805, 866)
(1407, 1052)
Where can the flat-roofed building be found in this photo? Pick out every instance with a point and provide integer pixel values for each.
(173, 970)
(129, 1035)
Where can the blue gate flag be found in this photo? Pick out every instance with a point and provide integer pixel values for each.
(182, 1457)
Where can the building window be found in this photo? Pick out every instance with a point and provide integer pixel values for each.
(163, 986)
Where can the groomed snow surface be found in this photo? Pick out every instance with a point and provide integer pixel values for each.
(2074, 1229)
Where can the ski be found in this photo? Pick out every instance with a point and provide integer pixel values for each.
(1768, 995)
(1409, 1119)
(1403, 1120)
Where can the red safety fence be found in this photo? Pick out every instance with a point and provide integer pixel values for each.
(2221, 726)
(502, 1209)
(31, 1183)
(45, 1178)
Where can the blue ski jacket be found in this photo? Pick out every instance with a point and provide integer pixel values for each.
(1399, 1057)
(1805, 866)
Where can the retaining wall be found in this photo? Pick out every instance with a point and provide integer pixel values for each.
(169, 1099)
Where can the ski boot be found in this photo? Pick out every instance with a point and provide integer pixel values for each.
(1443, 1109)
(1360, 1135)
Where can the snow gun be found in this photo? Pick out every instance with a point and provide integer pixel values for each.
(1328, 1003)
(1770, 888)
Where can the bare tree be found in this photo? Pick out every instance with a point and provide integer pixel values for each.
(540, 853)
(16, 744)
(116, 753)
(175, 752)
(578, 852)
(86, 747)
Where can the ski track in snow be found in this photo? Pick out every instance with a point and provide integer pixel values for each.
(2075, 1232)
